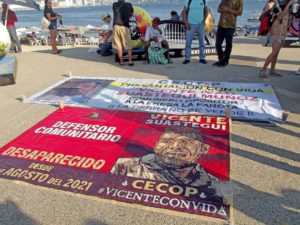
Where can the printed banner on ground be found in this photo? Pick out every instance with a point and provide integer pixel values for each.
(163, 161)
(246, 101)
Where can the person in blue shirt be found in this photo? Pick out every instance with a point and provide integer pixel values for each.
(193, 18)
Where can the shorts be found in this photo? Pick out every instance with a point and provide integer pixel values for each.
(52, 26)
(121, 37)
(276, 40)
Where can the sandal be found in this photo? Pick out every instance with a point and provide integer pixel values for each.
(58, 51)
(131, 64)
(274, 73)
(262, 74)
(121, 64)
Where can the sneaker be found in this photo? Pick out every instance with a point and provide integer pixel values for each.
(186, 61)
(224, 63)
(203, 61)
(298, 72)
(216, 64)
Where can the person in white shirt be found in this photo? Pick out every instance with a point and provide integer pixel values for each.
(105, 46)
(155, 37)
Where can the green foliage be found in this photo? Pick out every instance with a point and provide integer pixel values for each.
(3, 48)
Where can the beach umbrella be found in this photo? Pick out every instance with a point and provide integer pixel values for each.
(27, 3)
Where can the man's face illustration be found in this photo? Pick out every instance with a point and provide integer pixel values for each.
(178, 150)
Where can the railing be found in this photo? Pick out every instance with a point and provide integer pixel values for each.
(174, 32)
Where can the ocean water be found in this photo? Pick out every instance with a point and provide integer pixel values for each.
(83, 16)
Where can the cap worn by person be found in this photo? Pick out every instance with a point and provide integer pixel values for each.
(173, 12)
(105, 15)
(156, 20)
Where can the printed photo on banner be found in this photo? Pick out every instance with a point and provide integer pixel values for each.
(246, 101)
(177, 163)
(74, 91)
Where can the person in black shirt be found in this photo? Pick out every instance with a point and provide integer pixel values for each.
(121, 34)
(52, 17)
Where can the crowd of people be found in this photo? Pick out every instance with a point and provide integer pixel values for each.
(193, 15)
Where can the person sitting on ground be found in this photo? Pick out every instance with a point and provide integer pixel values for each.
(33, 40)
(105, 46)
(154, 37)
(278, 34)
(175, 16)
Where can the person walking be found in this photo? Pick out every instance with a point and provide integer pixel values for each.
(278, 34)
(121, 34)
(52, 17)
(229, 11)
(10, 25)
(193, 19)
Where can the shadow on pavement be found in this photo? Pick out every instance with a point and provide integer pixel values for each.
(95, 222)
(267, 148)
(268, 208)
(11, 214)
(243, 69)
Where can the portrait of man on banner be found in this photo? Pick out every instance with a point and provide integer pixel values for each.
(175, 160)
(75, 91)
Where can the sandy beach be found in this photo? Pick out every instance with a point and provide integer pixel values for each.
(265, 158)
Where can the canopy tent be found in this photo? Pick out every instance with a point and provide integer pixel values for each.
(27, 3)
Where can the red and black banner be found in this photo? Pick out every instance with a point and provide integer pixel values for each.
(173, 162)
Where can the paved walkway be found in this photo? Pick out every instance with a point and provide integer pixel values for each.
(265, 159)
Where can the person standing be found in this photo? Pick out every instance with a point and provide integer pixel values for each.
(193, 19)
(229, 10)
(52, 17)
(266, 10)
(10, 25)
(278, 34)
(121, 34)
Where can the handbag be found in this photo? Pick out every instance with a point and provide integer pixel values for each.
(45, 23)
(156, 55)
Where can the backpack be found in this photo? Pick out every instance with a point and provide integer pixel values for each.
(265, 23)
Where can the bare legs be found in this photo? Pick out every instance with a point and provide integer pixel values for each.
(53, 35)
(120, 55)
(271, 59)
